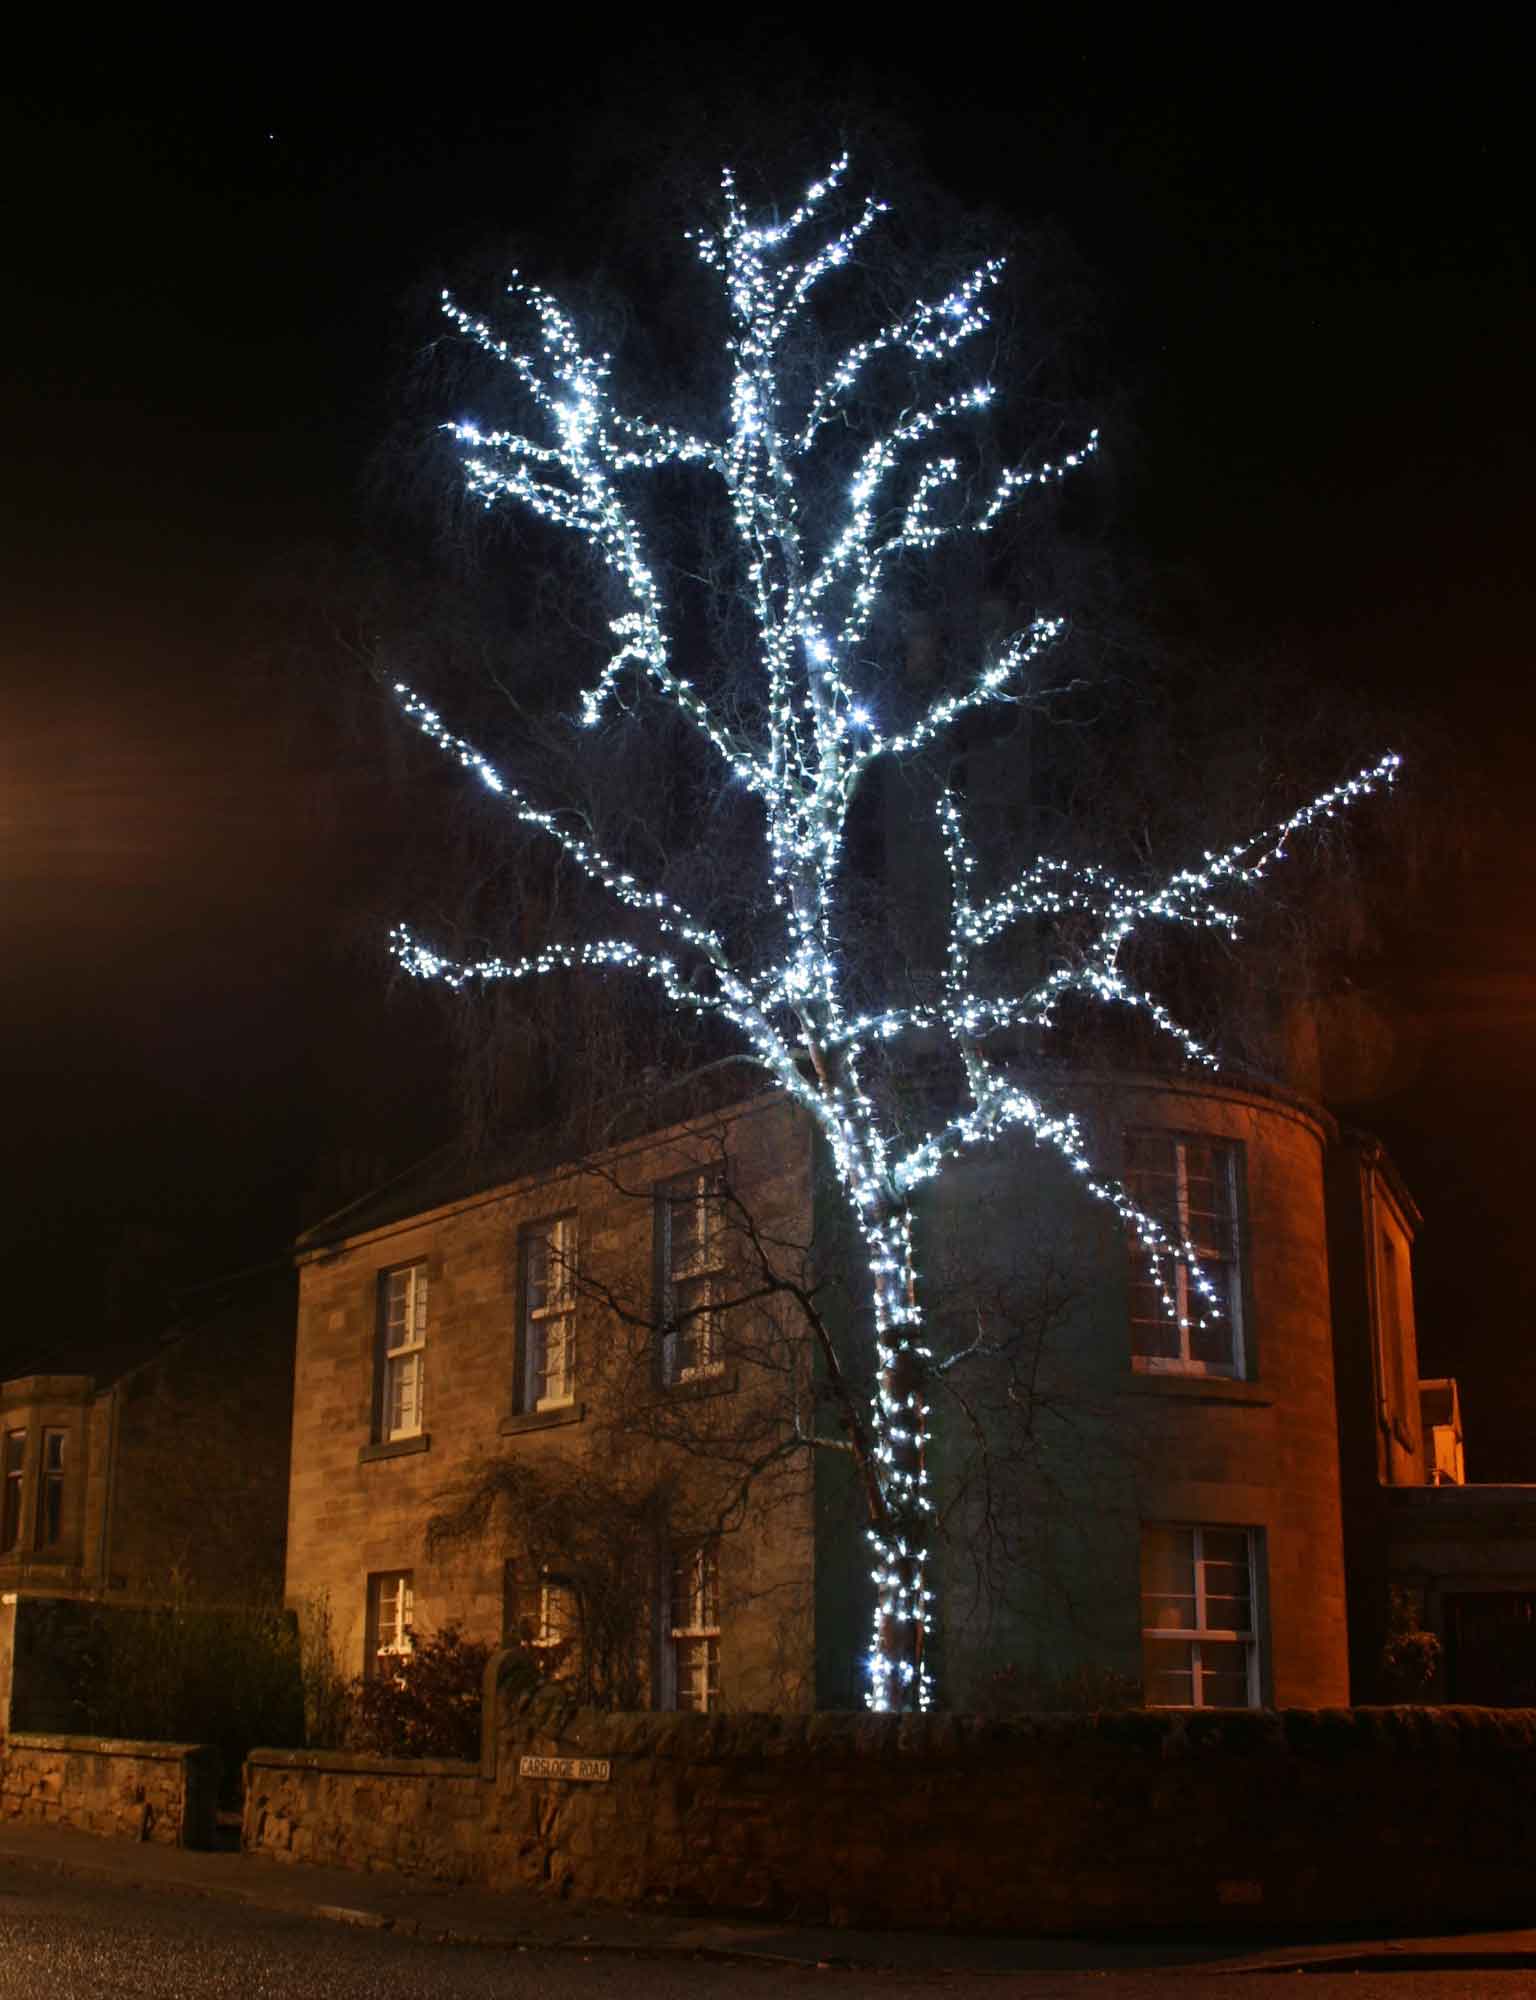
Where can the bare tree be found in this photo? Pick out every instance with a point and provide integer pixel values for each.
(761, 629)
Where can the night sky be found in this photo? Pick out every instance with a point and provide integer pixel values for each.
(1315, 311)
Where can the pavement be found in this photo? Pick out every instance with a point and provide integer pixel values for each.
(529, 1920)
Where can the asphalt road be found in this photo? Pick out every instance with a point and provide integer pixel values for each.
(66, 1939)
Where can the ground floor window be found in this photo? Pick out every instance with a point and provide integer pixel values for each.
(694, 1617)
(391, 1616)
(1199, 1623)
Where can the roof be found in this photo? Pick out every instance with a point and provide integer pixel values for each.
(459, 1170)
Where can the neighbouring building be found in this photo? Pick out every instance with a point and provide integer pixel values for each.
(169, 1472)
(577, 1405)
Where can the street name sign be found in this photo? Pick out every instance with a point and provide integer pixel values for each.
(588, 1770)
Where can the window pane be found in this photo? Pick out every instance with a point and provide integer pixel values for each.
(1211, 1342)
(1223, 1674)
(1155, 1334)
(1168, 1672)
(391, 1610)
(405, 1375)
(697, 1325)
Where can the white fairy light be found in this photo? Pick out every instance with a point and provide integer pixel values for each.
(817, 739)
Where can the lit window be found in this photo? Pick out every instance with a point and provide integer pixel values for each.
(695, 1627)
(549, 1315)
(50, 1492)
(1187, 1316)
(404, 1342)
(391, 1615)
(690, 1215)
(1199, 1628)
(14, 1466)
(557, 1622)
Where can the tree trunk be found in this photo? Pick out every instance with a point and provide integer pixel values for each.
(898, 1675)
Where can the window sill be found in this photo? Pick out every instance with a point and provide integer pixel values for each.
(720, 1381)
(395, 1448)
(1198, 1388)
(541, 1420)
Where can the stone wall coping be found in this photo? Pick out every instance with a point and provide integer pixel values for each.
(103, 1746)
(362, 1764)
(1166, 1733)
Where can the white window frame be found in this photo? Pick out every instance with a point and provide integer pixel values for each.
(1202, 1632)
(693, 1622)
(404, 1352)
(1178, 1275)
(701, 1274)
(555, 1240)
(391, 1609)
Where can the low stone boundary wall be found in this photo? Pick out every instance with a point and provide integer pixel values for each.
(343, 1809)
(164, 1792)
(1046, 1824)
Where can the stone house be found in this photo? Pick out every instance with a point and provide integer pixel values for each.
(165, 1470)
(1130, 1508)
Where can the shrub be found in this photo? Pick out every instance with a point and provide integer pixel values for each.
(425, 1703)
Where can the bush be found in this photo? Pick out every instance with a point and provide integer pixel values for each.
(190, 1672)
(425, 1703)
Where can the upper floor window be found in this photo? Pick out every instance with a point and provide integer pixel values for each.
(13, 1468)
(690, 1220)
(693, 1618)
(1199, 1629)
(1392, 1344)
(391, 1615)
(50, 1491)
(1187, 1316)
(404, 1343)
(547, 1363)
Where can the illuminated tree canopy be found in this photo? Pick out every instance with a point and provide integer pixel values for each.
(822, 506)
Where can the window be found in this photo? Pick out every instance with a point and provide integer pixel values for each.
(691, 1225)
(1199, 1630)
(391, 1614)
(558, 1620)
(694, 1619)
(548, 1354)
(50, 1492)
(14, 1469)
(1192, 1322)
(1393, 1345)
(404, 1351)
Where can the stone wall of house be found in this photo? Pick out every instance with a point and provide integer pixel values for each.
(359, 1506)
(1044, 1824)
(1086, 1448)
(164, 1792)
(199, 1440)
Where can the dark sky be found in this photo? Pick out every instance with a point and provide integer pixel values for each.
(1316, 303)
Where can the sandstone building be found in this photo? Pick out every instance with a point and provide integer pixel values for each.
(168, 1472)
(580, 1405)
